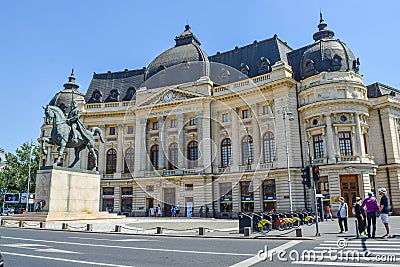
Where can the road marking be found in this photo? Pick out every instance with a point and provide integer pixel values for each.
(65, 260)
(41, 249)
(255, 259)
(132, 248)
(105, 239)
(385, 241)
(358, 247)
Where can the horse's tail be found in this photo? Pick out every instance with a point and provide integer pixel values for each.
(97, 131)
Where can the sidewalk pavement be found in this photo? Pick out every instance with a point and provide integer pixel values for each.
(227, 228)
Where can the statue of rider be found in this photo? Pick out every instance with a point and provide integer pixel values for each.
(75, 123)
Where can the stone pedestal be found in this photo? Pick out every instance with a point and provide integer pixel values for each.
(70, 194)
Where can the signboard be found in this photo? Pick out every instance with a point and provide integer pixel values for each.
(249, 198)
(269, 197)
(334, 199)
(24, 198)
(226, 199)
(12, 198)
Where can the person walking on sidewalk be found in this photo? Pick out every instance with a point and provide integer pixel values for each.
(361, 217)
(328, 212)
(342, 214)
(384, 210)
(372, 209)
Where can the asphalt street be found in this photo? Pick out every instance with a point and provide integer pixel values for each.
(30, 247)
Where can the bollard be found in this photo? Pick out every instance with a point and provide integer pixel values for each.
(201, 230)
(21, 224)
(159, 230)
(89, 227)
(42, 224)
(3, 222)
(64, 226)
(299, 232)
(118, 228)
(358, 236)
(247, 231)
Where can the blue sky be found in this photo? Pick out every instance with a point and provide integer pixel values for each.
(42, 40)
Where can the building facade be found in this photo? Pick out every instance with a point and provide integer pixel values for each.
(230, 132)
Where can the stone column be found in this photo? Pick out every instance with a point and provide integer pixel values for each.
(256, 135)
(102, 153)
(235, 142)
(329, 140)
(206, 148)
(120, 148)
(359, 137)
(140, 147)
(200, 135)
(181, 141)
(161, 143)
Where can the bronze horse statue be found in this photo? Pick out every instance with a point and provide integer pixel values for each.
(61, 136)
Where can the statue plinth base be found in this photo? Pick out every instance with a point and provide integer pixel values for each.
(70, 194)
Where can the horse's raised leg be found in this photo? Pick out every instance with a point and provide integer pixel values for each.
(77, 151)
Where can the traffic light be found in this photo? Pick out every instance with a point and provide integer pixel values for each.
(315, 172)
(305, 174)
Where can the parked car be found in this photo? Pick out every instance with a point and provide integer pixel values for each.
(19, 211)
(6, 211)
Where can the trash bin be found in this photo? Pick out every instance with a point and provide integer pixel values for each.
(244, 221)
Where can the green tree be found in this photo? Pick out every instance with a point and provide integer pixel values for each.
(15, 174)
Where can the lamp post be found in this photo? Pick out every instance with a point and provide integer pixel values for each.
(29, 176)
(285, 114)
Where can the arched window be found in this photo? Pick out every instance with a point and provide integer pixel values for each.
(226, 152)
(129, 160)
(154, 156)
(173, 156)
(269, 147)
(247, 150)
(111, 165)
(91, 163)
(193, 154)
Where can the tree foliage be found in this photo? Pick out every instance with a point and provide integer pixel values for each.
(14, 175)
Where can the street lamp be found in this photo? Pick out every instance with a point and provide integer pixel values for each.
(285, 114)
(29, 175)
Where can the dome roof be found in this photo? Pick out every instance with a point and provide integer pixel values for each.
(186, 49)
(327, 54)
(64, 98)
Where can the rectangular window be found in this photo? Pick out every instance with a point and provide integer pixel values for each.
(245, 114)
(345, 144)
(225, 117)
(173, 123)
(247, 196)
(266, 109)
(225, 201)
(130, 130)
(126, 191)
(149, 188)
(112, 130)
(365, 144)
(188, 187)
(155, 125)
(318, 146)
(108, 190)
(192, 121)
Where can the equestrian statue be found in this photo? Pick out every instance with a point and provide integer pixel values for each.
(69, 133)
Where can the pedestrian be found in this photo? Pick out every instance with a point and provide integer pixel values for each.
(342, 214)
(328, 212)
(152, 212)
(361, 216)
(372, 209)
(201, 211)
(384, 210)
(173, 211)
(207, 211)
(177, 209)
(159, 210)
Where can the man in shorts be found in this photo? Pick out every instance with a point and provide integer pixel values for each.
(384, 210)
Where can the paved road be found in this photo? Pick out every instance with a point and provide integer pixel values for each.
(26, 247)
(32, 247)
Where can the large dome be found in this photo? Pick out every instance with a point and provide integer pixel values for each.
(64, 98)
(187, 49)
(327, 54)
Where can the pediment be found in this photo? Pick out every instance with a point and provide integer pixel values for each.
(169, 96)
